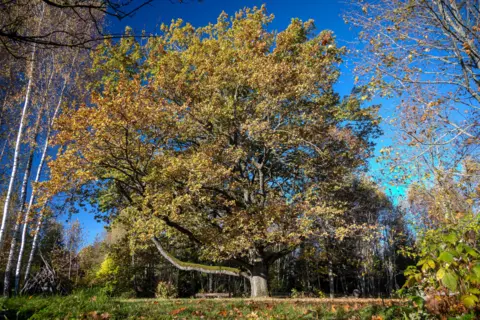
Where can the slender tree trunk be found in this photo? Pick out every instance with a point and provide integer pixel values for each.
(17, 149)
(16, 228)
(26, 219)
(69, 264)
(34, 244)
(32, 196)
(331, 279)
(5, 143)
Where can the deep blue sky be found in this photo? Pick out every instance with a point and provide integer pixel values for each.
(326, 13)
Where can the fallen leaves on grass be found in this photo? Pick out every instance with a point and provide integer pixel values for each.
(177, 311)
(198, 313)
(223, 313)
(96, 316)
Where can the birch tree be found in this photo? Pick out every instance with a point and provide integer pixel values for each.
(18, 141)
(71, 67)
(21, 210)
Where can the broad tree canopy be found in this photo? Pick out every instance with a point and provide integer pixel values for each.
(229, 135)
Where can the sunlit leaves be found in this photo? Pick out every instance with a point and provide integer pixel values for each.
(228, 135)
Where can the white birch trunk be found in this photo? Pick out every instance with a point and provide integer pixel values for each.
(34, 244)
(16, 154)
(16, 228)
(32, 196)
(17, 151)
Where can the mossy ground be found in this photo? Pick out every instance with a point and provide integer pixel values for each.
(91, 305)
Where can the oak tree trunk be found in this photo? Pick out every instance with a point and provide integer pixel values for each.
(259, 280)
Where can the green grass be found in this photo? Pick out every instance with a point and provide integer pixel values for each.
(92, 305)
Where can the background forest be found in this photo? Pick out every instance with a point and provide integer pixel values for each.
(230, 158)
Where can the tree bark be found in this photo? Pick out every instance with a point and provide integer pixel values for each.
(18, 221)
(16, 154)
(259, 279)
(34, 245)
(37, 179)
(19, 138)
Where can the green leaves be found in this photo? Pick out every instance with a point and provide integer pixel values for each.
(469, 300)
(446, 257)
(476, 270)
(474, 291)
(451, 238)
(449, 280)
(449, 267)
(440, 274)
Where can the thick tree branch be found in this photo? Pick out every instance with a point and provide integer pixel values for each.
(186, 266)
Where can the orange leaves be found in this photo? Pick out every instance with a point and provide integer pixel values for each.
(223, 313)
(326, 38)
(177, 311)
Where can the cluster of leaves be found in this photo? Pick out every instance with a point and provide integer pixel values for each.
(166, 290)
(108, 274)
(448, 272)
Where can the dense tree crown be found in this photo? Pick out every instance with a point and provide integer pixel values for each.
(230, 135)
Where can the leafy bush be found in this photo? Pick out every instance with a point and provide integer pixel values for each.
(166, 290)
(107, 275)
(320, 294)
(317, 293)
(447, 276)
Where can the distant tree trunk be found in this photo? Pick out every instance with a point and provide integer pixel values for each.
(69, 265)
(331, 279)
(5, 143)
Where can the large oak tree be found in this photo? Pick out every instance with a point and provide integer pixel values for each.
(229, 136)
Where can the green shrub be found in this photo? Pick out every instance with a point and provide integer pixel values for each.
(320, 294)
(166, 290)
(446, 279)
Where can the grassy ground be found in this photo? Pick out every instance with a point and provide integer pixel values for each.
(88, 305)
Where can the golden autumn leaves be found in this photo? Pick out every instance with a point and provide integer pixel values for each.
(229, 135)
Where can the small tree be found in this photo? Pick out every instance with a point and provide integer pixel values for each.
(229, 136)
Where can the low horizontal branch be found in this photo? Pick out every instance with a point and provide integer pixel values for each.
(187, 266)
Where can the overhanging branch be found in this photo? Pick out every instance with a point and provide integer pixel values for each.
(186, 266)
